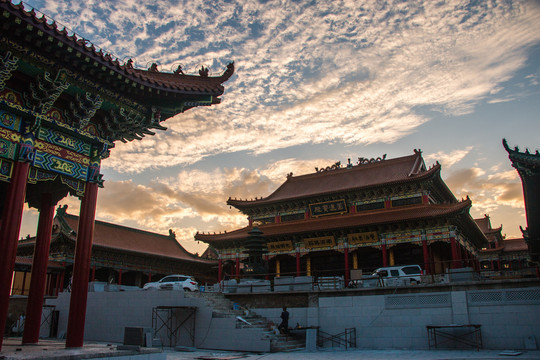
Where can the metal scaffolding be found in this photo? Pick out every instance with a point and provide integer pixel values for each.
(171, 319)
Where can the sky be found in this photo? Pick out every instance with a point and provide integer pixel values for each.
(316, 82)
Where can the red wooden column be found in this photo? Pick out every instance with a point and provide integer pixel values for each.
(120, 277)
(81, 268)
(39, 271)
(456, 259)
(384, 255)
(24, 282)
(93, 273)
(57, 285)
(62, 278)
(237, 265)
(9, 234)
(347, 271)
(426, 257)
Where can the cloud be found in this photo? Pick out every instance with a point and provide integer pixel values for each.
(194, 200)
(499, 193)
(447, 160)
(309, 72)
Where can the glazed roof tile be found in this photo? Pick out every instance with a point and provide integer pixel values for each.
(395, 215)
(380, 173)
(119, 237)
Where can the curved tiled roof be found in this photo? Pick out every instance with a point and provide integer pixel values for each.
(515, 245)
(183, 82)
(186, 84)
(524, 159)
(381, 173)
(485, 225)
(119, 237)
(384, 216)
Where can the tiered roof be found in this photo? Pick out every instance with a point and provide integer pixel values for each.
(485, 225)
(334, 182)
(375, 173)
(365, 218)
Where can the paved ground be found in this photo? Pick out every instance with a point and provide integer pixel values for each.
(54, 349)
(356, 354)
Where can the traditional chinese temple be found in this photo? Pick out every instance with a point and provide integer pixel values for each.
(63, 105)
(502, 255)
(377, 212)
(527, 165)
(120, 255)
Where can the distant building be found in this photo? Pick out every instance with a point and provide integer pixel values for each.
(120, 255)
(504, 257)
(378, 212)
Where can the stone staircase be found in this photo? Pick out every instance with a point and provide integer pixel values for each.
(245, 318)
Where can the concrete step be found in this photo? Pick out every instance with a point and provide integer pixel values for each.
(223, 308)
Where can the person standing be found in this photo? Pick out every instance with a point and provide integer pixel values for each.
(284, 326)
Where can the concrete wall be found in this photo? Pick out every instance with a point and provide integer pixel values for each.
(108, 313)
(509, 317)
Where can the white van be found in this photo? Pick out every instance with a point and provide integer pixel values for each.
(399, 275)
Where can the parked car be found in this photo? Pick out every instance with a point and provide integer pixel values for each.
(174, 282)
(400, 275)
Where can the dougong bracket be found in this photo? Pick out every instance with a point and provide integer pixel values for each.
(8, 64)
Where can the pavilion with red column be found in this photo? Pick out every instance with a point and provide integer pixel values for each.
(63, 105)
(377, 212)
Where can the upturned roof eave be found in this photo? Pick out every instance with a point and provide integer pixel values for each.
(335, 223)
(198, 85)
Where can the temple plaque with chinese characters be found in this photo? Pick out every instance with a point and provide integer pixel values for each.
(328, 208)
(320, 242)
(364, 238)
(280, 246)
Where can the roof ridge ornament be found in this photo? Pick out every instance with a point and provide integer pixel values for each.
(61, 211)
(203, 72)
(178, 70)
(336, 166)
(363, 160)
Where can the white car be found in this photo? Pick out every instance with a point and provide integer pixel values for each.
(400, 275)
(173, 282)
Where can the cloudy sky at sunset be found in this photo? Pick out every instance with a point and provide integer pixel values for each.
(317, 82)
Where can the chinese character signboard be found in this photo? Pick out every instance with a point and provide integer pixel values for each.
(328, 208)
(320, 242)
(280, 246)
(364, 239)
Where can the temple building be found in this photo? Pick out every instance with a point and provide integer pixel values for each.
(527, 165)
(63, 104)
(377, 212)
(502, 257)
(120, 255)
